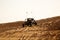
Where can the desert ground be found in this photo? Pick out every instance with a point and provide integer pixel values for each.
(47, 29)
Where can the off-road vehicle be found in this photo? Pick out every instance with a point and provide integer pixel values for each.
(29, 22)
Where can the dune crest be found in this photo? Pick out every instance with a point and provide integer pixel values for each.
(47, 29)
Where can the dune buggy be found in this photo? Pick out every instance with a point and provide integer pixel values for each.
(29, 22)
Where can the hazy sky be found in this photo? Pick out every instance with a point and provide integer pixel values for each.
(15, 10)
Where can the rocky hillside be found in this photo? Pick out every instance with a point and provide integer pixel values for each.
(47, 29)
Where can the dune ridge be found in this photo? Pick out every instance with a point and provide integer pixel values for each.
(47, 29)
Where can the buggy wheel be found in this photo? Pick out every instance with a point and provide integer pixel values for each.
(35, 23)
(23, 25)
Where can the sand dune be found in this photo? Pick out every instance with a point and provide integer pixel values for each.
(47, 29)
